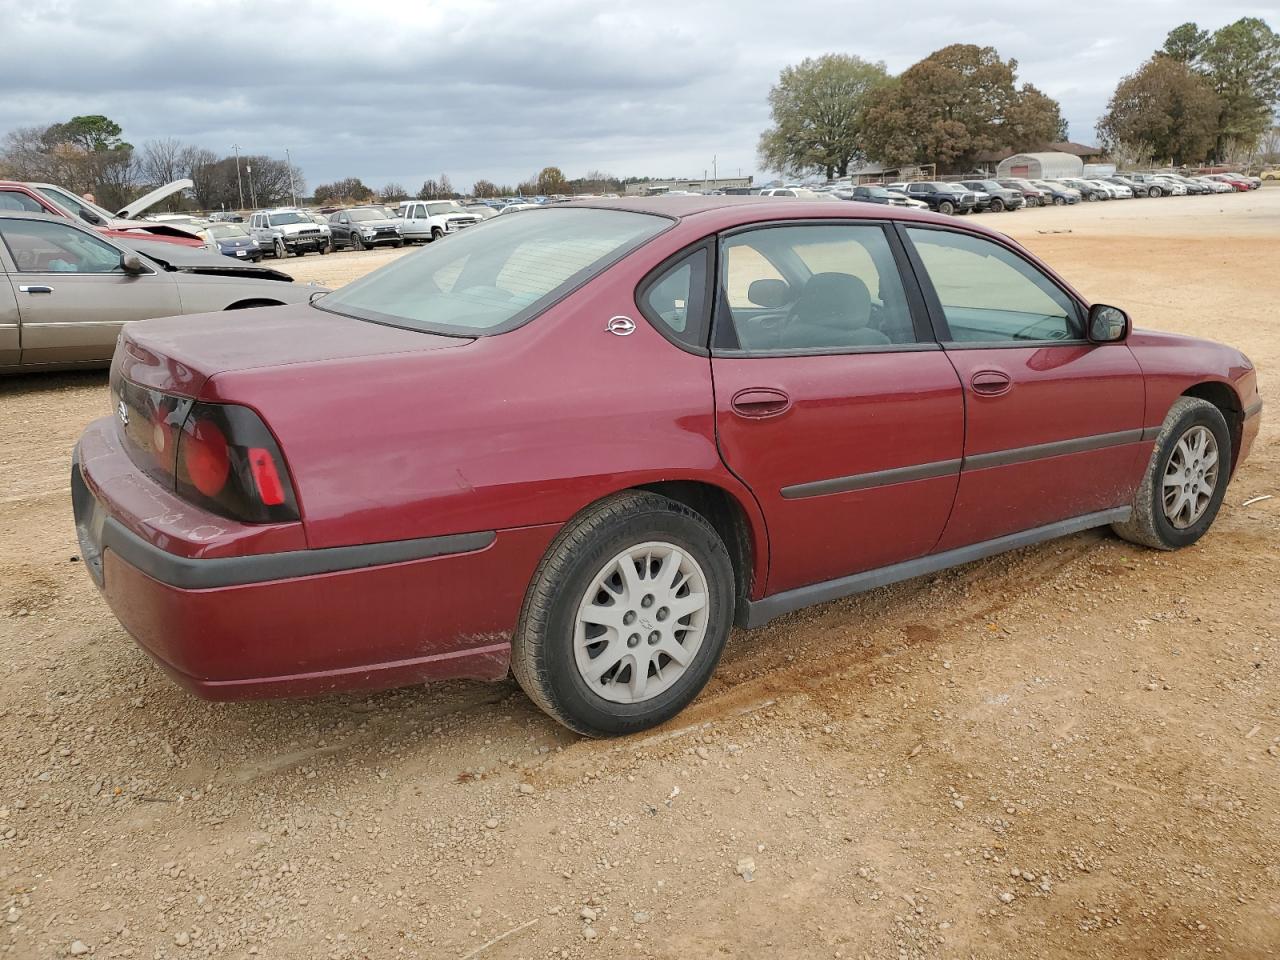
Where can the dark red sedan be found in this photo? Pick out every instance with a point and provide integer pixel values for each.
(581, 443)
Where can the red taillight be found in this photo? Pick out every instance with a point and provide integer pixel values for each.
(205, 457)
(219, 456)
(265, 476)
(228, 462)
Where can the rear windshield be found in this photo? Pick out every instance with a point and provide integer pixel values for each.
(495, 275)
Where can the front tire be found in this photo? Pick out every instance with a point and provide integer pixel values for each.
(436, 234)
(626, 617)
(279, 250)
(357, 242)
(997, 205)
(1059, 201)
(1185, 481)
(947, 207)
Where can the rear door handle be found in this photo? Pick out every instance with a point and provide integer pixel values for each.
(991, 383)
(34, 288)
(756, 403)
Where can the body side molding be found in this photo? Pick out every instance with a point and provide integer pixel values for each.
(757, 613)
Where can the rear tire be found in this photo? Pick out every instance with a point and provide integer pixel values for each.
(1172, 507)
(585, 674)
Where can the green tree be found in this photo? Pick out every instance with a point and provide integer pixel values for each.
(1185, 43)
(549, 180)
(93, 134)
(343, 191)
(953, 106)
(1242, 61)
(1166, 105)
(816, 107)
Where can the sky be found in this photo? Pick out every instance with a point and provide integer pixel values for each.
(406, 90)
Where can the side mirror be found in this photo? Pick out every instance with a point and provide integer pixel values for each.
(88, 216)
(132, 263)
(1107, 324)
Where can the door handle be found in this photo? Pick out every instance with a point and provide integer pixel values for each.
(991, 383)
(756, 403)
(34, 288)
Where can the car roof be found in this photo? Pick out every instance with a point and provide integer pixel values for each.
(737, 210)
(28, 215)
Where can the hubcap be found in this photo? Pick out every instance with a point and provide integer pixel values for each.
(641, 622)
(1190, 477)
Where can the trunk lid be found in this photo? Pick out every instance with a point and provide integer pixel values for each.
(178, 355)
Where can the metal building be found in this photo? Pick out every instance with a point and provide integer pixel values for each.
(1041, 166)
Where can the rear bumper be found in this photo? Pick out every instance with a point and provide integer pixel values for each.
(306, 622)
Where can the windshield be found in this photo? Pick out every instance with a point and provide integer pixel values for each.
(224, 230)
(75, 204)
(876, 191)
(496, 275)
(366, 213)
(279, 219)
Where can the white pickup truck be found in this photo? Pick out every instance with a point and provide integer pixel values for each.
(432, 219)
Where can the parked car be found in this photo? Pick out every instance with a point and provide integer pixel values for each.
(1270, 173)
(1237, 182)
(47, 198)
(481, 210)
(1119, 191)
(1135, 189)
(939, 196)
(1002, 197)
(1217, 186)
(982, 199)
(286, 231)
(428, 220)
(231, 240)
(518, 207)
(1192, 186)
(868, 194)
(1089, 192)
(66, 290)
(226, 216)
(1150, 184)
(1033, 195)
(363, 228)
(1059, 193)
(911, 203)
(802, 448)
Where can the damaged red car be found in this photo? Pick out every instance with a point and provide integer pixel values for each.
(580, 444)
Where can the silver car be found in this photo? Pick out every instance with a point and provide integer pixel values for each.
(65, 291)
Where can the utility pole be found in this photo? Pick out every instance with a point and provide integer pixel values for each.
(239, 183)
(253, 195)
(714, 176)
(292, 192)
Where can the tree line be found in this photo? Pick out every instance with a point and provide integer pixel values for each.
(89, 154)
(1202, 96)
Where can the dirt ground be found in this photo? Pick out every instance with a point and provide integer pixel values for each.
(1069, 751)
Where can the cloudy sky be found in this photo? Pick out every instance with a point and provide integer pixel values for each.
(473, 88)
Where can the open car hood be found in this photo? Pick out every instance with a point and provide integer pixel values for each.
(148, 200)
(182, 259)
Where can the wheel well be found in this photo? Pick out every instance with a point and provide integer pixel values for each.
(1228, 404)
(723, 512)
(247, 304)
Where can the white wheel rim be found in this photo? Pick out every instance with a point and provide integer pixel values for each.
(641, 622)
(1190, 477)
